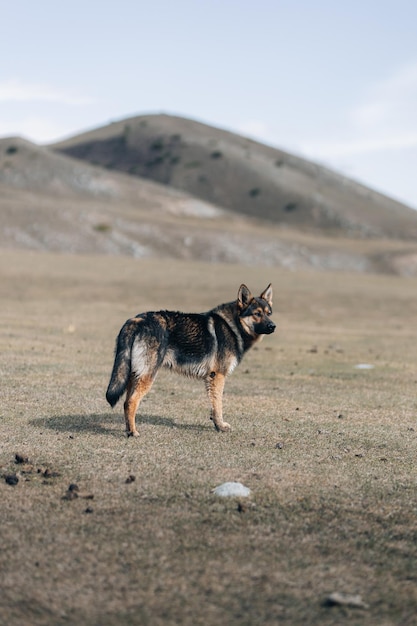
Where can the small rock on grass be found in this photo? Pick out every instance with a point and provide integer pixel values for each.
(73, 493)
(20, 459)
(338, 598)
(231, 490)
(11, 479)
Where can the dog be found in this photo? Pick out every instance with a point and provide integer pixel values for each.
(207, 346)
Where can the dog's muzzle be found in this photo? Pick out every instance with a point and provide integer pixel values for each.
(270, 327)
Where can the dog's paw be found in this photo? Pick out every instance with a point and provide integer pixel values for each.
(132, 433)
(223, 427)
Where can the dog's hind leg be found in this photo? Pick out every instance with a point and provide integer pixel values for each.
(215, 385)
(137, 388)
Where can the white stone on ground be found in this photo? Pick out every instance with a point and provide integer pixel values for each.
(230, 490)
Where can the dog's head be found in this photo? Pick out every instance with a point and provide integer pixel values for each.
(254, 312)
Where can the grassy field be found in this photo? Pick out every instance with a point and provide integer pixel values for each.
(328, 450)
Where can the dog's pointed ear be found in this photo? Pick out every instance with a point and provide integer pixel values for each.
(267, 295)
(244, 297)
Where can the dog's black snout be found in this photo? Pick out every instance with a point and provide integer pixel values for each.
(271, 327)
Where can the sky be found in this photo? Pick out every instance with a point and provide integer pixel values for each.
(331, 81)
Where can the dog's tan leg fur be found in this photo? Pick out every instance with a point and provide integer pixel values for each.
(137, 388)
(215, 385)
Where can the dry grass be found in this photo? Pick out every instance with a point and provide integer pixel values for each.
(333, 507)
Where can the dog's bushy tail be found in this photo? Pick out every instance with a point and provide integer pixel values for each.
(122, 365)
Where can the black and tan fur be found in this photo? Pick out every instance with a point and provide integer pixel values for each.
(201, 345)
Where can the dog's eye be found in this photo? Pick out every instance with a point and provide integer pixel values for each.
(257, 314)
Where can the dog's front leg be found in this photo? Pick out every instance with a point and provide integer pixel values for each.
(215, 385)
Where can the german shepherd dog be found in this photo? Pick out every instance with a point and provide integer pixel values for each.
(201, 345)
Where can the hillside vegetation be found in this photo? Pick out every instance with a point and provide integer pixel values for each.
(242, 175)
(53, 202)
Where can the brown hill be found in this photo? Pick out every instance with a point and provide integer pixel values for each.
(49, 201)
(242, 175)
(52, 202)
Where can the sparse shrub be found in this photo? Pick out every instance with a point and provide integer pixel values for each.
(290, 206)
(102, 227)
(126, 132)
(216, 154)
(156, 161)
(192, 164)
(175, 159)
(157, 145)
(11, 150)
(176, 137)
(254, 192)
(279, 162)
